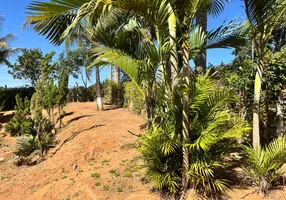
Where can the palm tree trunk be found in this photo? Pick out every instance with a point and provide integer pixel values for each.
(174, 55)
(98, 90)
(110, 72)
(185, 136)
(202, 20)
(256, 110)
(116, 74)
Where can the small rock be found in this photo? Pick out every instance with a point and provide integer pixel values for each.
(2, 160)
(74, 167)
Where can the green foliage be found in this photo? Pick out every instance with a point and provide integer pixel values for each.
(6, 51)
(238, 78)
(25, 145)
(113, 92)
(95, 175)
(133, 98)
(28, 66)
(264, 167)
(214, 130)
(8, 95)
(106, 188)
(81, 94)
(22, 122)
(39, 139)
(44, 137)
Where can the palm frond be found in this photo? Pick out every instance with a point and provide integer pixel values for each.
(265, 166)
(130, 66)
(52, 18)
(231, 35)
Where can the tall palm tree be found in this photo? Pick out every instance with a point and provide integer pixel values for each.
(98, 90)
(202, 21)
(263, 17)
(5, 50)
(116, 74)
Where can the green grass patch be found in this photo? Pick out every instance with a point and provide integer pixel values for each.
(106, 188)
(95, 175)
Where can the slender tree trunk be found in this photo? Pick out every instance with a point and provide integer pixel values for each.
(53, 115)
(174, 54)
(116, 74)
(256, 110)
(185, 136)
(98, 90)
(60, 117)
(49, 113)
(110, 72)
(280, 122)
(201, 20)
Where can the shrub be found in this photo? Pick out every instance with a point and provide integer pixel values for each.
(264, 166)
(8, 95)
(38, 140)
(21, 122)
(213, 136)
(113, 93)
(25, 145)
(133, 99)
(44, 137)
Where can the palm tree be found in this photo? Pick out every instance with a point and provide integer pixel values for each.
(202, 21)
(263, 16)
(98, 90)
(110, 72)
(170, 21)
(5, 50)
(116, 74)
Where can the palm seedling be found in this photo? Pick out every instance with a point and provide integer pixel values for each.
(264, 166)
(214, 131)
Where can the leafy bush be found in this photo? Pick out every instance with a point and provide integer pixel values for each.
(25, 145)
(39, 139)
(8, 95)
(81, 94)
(21, 122)
(214, 130)
(133, 99)
(264, 166)
(113, 92)
(44, 137)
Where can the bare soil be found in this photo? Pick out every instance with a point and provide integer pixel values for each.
(89, 162)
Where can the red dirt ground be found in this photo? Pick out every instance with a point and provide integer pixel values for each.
(97, 152)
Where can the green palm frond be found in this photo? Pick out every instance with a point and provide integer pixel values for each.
(52, 18)
(264, 166)
(263, 11)
(197, 40)
(231, 35)
(7, 53)
(130, 66)
(215, 7)
(4, 41)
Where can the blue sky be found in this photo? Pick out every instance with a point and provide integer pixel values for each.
(14, 14)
